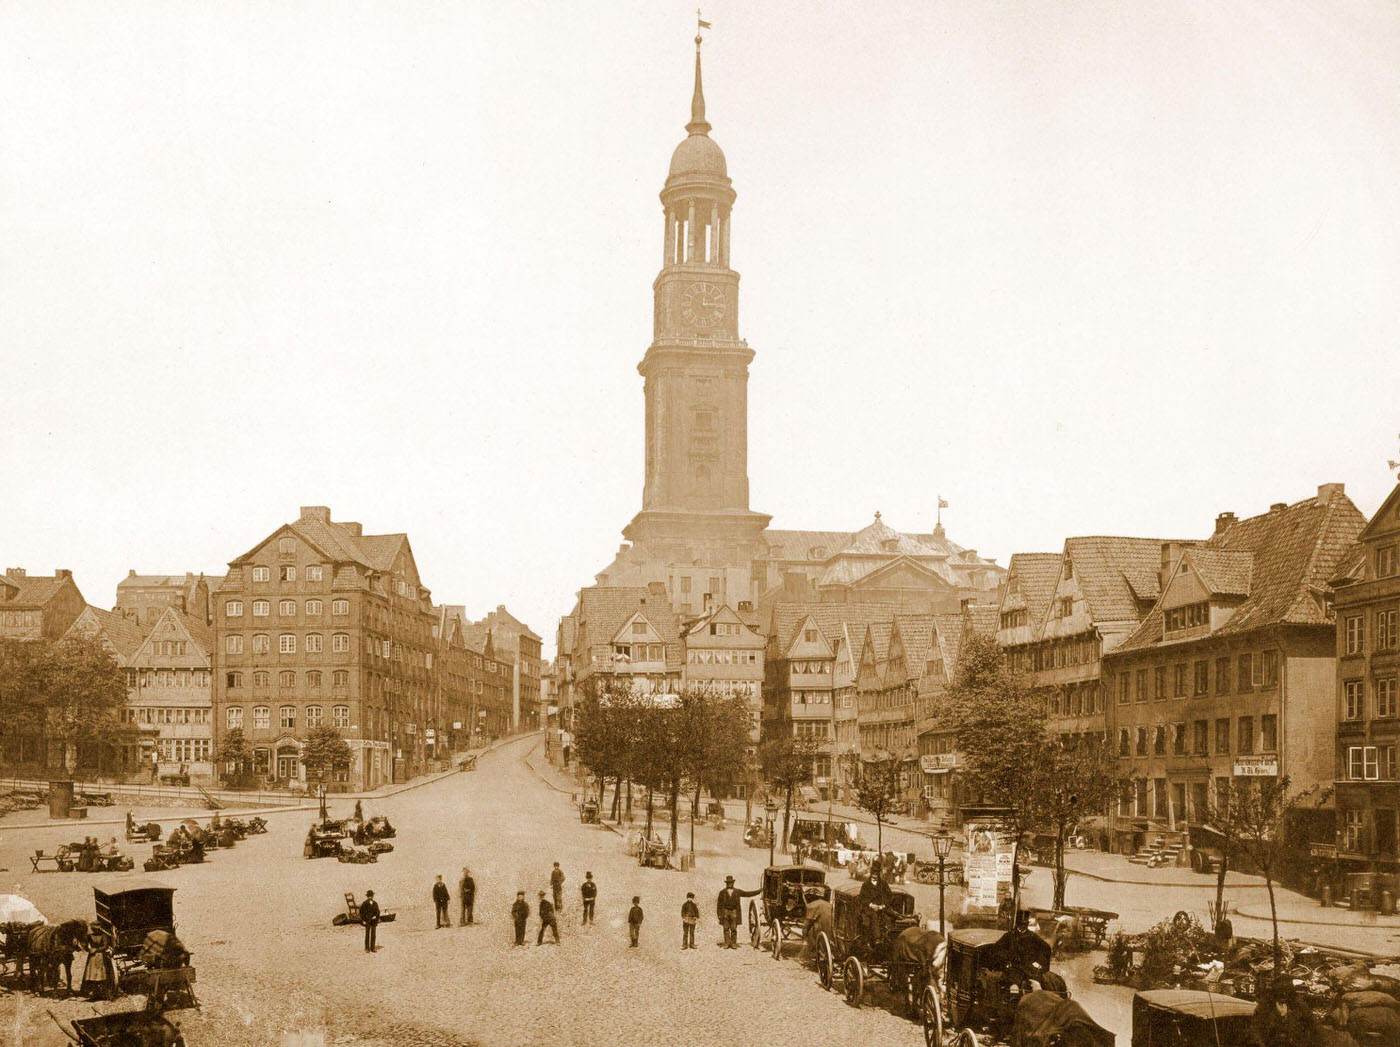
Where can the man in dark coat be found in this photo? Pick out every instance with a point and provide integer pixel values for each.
(441, 896)
(729, 911)
(369, 916)
(519, 913)
(589, 890)
(634, 921)
(556, 885)
(690, 916)
(547, 919)
(467, 891)
(875, 894)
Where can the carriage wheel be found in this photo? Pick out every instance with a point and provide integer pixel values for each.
(826, 963)
(853, 980)
(966, 1038)
(933, 1018)
(755, 931)
(776, 927)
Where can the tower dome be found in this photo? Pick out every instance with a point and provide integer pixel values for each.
(698, 154)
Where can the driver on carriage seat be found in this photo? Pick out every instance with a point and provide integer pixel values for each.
(875, 896)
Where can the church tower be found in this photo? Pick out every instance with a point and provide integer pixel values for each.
(695, 501)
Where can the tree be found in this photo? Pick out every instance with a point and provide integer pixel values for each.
(1068, 783)
(235, 753)
(324, 751)
(877, 792)
(1250, 816)
(714, 738)
(787, 764)
(68, 692)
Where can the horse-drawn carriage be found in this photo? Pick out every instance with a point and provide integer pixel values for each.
(756, 833)
(866, 944)
(653, 853)
(588, 811)
(1190, 1018)
(779, 914)
(138, 925)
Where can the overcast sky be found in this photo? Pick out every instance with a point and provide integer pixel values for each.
(1088, 268)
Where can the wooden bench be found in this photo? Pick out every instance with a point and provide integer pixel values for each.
(59, 862)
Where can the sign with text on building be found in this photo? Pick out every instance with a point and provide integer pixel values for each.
(932, 763)
(1256, 766)
(1323, 850)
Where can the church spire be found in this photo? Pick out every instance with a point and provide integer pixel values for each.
(698, 124)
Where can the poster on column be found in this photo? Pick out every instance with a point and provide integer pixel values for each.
(987, 867)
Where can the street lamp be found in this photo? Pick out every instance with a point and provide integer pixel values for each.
(770, 807)
(942, 844)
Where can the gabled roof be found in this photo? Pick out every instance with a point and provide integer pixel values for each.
(916, 634)
(32, 590)
(122, 634)
(1035, 576)
(1223, 572)
(982, 618)
(503, 617)
(788, 618)
(1115, 572)
(603, 610)
(1296, 550)
(338, 542)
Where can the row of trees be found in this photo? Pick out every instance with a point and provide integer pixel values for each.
(60, 697)
(323, 753)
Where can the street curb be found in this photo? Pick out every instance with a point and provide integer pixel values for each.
(1161, 883)
(525, 759)
(1376, 924)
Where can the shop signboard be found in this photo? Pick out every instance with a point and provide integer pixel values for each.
(1256, 766)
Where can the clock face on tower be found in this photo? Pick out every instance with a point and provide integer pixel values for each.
(703, 304)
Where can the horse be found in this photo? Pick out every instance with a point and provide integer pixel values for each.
(1047, 1019)
(918, 949)
(50, 946)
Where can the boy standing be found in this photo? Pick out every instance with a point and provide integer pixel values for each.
(634, 920)
(690, 916)
(519, 913)
(589, 890)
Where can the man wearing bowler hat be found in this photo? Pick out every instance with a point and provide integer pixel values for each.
(728, 909)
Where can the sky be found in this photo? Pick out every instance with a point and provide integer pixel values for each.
(1089, 268)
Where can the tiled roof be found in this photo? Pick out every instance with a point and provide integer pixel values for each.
(1104, 566)
(878, 636)
(381, 550)
(788, 618)
(1036, 575)
(797, 545)
(950, 629)
(121, 632)
(33, 590)
(1296, 551)
(201, 632)
(983, 618)
(605, 609)
(1224, 573)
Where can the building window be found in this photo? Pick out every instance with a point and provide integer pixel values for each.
(1066, 606)
(1142, 685)
(1159, 740)
(1142, 741)
(288, 573)
(233, 644)
(313, 716)
(1179, 739)
(340, 678)
(1355, 634)
(262, 717)
(261, 574)
(313, 642)
(1268, 733)
(233, 680)
(1268, 669)
(260, 679)
(1385, 696)
(1362, 763)
(1179, 680)
(1386, 637)
(1124, 688)
(314, 573)
(1125, 742)
(260, 608)
(1354, 834)
(1189, 617)
(287, 643)
(1222, 675)
(287, 608)
(261, 643)
(340, 608)
(1246, 673)
(233, 609)
(1202, 680)
(1159, 683)
(340, 716)
(1222, 736)
(1354, 699)
(286, 544)
(1388, 762)
(1202, 732)
(1246, 735)
(1385, 561)
(286, 679)
(313, 608)
(313, 680)
(233, 717)
(288, 716)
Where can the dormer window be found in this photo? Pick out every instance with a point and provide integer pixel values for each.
(1190, 616)
(1385, 561)
(1065, 607)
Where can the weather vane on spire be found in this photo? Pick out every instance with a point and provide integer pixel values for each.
(700, 23)
(941, 506)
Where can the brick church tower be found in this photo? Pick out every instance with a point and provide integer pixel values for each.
(695, 502)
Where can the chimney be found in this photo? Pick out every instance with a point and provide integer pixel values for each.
(1171, 555)
(1278, 507)
(1327, 493)
(14, 572)
(131, 573)
(316, 512)
(1223, 522)
(356, 529)
(60, 575)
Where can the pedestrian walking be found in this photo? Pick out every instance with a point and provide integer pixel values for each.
(369, 916)
(690, 916)
(519, 913)
(547, 919)
(441, 896)
(634, 921)
(727, 908)
(466, 889)
(556, 884)
(589, 890)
